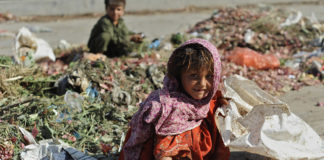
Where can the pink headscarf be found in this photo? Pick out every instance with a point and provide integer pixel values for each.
(168, 111)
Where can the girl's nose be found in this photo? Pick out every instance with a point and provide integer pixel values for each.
(202, 81)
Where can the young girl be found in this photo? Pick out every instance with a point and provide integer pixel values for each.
(177, 122)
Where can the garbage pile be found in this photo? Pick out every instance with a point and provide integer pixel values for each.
(87, 105)
(264, 30)
(280, 50)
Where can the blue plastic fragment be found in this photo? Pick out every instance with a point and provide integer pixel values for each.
(155, 44)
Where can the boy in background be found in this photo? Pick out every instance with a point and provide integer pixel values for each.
(110, 35)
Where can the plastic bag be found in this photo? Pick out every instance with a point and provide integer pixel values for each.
(259, 123)
(292, 19)
(250, 58)
(74, 100)
(52, 149)
(29, 48)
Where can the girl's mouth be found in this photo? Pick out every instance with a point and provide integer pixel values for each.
(199, 90)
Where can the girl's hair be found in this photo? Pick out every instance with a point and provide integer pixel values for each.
(191, 56)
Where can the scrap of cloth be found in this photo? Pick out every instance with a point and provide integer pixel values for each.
(168, 111)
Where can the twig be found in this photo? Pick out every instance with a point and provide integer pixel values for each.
(2, 65)
(14, 78)
(17, 104)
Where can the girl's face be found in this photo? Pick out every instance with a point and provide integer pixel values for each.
(197, 82)
(115, 12)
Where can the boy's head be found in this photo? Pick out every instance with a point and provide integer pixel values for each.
(193, 67)
(115, 2)
(115, 9)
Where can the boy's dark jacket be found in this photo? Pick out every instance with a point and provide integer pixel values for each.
(109, 39)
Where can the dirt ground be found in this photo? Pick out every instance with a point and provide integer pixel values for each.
(76, 30)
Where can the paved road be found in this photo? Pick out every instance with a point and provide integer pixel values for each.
(59, 7)
(77, 31)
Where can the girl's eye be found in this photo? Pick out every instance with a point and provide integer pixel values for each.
(209, 76)
(194, 76)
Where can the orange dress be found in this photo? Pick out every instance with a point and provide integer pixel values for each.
(201, 143)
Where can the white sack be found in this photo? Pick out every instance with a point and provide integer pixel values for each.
(259, 123)
(38, 48)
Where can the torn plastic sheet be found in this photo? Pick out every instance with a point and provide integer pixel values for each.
(259, 123)
(52, 150)
(292, 19)
(306, 55)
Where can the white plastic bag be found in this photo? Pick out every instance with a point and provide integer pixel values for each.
(259, 123)
(292, 19)
(51, 149)
(29, 48)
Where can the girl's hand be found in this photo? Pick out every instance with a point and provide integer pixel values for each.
(221, 100)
